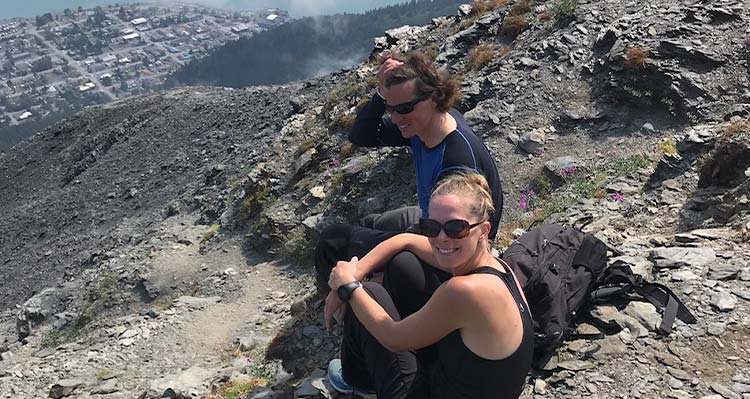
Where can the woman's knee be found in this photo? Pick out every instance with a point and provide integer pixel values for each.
(404, 270)
(331, 247)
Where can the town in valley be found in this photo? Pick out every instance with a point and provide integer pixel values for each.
(56, 63)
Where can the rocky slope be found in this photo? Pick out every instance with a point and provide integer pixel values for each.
(137, 236)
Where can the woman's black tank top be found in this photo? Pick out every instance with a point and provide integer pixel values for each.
(460, 373)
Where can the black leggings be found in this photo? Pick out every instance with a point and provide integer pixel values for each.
(341, 242)
(408, 284)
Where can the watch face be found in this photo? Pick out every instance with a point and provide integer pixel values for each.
(343, 293)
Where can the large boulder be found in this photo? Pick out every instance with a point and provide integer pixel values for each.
(37, 309)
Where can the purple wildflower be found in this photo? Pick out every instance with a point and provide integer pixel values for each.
(336, 163)
(523, 203)
(617, 197)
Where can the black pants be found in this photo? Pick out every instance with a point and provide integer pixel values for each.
(341, 242)
(408, 284)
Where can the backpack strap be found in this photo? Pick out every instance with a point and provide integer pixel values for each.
(621, 281)
(664, 298)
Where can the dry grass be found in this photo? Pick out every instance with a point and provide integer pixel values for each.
(304, 146)
(521, 8)
(505, 234)
(479, 7)
(544, 16)
(635, 57)
(235, 389)
(342, 122)
(734, 128)
(504, 50)
(347, 149)
(514, 25)
(481, 55)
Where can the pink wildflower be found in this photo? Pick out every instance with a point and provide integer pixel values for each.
(617, 197)
(336, 163)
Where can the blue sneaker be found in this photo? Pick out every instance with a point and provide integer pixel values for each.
(336, 379)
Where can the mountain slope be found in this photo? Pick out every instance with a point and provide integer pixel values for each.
(123, 208)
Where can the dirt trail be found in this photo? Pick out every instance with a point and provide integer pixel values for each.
(229, 296)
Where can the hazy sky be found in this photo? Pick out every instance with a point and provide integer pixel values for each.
(298, 8)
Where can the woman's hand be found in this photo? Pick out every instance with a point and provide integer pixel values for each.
(343, 273)
(334, 307)
(388, 65)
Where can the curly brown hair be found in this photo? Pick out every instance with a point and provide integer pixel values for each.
(429, 81)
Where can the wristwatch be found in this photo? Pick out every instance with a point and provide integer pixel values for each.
(345, 291)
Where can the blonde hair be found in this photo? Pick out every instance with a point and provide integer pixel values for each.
(472, 184)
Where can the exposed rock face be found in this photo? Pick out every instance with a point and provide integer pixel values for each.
(140, 225)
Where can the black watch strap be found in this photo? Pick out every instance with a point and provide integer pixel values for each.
(345, 291)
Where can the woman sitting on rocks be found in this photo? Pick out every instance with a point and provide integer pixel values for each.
(473, 336)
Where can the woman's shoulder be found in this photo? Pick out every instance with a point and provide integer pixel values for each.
(469, 285)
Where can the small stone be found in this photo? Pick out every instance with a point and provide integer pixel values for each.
(312, 332)
(684, 275)
(676, 257)
(723, 301)
(575, 365)
(540, 386)
(741, 388)
(43, 353)
(127, 342)
(587, 329)
(724, 271)
(106, 388)
(129, 334)
(64, 388)
(668, 359)
(674, 383)
(196, 303)
(318, 192)
(644, 312)
(724, 391)
(307, 388)
(648, 127)
(679, 374)
(716, 328)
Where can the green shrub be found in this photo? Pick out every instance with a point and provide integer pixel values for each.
(297, 247)
(52, 339)
(628, 165)
(667, 147)
(564, 9)
(583, 187)
(211, 232)
(541, 184)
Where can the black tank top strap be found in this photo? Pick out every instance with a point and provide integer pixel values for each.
(507, 278)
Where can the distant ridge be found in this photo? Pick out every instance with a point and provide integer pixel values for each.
(305, 48)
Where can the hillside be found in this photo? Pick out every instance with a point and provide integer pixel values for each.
(159, 246)
(305, 48)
